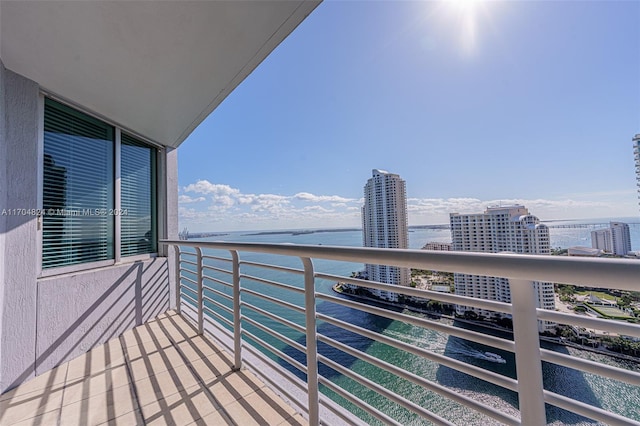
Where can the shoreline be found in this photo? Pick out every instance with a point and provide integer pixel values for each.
(548, 339)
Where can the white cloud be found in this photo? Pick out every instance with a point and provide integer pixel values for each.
(206, 187)
(226, 208)
(185, 199)
(305, 196)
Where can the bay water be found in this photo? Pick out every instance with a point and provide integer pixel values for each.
(601, 392)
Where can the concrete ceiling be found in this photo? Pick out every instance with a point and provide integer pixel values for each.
(157, 68)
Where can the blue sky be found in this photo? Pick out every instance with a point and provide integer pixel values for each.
(472, 103)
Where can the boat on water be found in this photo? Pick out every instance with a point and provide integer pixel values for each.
(490, 356)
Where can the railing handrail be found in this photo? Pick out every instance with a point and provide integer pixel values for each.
(589, 272)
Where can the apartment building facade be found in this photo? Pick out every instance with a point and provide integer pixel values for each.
(385, 225)
(636, 155)
(616, 239)
(499, 229)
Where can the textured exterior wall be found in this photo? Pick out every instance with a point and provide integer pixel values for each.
(19, 248)
(44, 322)
(79, 311)
(3, 201)
(171, 214)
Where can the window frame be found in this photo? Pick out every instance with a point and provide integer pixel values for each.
(158, 213)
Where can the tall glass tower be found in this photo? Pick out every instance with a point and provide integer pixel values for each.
(384, 225)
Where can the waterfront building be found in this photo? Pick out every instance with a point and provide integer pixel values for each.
(636, 154)
(384, 225)
(499, 229)
(616, 239)
(584, 251)
(437, 246)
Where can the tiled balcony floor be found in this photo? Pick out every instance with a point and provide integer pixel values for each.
(159, 373)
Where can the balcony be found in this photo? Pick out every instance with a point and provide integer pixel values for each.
(275, 320)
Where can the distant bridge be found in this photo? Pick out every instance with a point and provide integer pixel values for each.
(589, 225)
(571, 225)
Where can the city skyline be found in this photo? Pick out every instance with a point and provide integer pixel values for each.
(487, 111)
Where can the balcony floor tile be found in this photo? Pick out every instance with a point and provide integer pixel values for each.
(160, 373)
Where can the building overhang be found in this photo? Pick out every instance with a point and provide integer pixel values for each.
(157, 68)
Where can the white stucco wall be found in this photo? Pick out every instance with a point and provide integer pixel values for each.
(79, 311)
(44, 322)
(18, 251)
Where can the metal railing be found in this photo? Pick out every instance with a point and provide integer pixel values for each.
(198, 272)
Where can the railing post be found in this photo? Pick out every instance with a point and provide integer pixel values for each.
(237, 325)
(200, 291)
(177, 250)
(312, 342)
(527, 349)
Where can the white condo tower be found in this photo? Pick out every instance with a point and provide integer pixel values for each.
(499, 229)
(616, 239)
(384, 225)
(636, 154)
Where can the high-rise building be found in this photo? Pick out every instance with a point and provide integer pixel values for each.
(384, 225)
(636, 154)
(499, 229)
(615, 240)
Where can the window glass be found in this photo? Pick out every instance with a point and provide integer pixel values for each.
(137, 199)
(78, 188)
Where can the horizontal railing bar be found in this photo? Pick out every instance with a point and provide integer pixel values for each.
(186, 287)
(194, 282)
(563, 269)
(421, 381)
(218, 304)
(188, 262)
(472, 370)
(274, 300)
(324, 401)
(614, 326)
(409, 405)
(273, 283)
(186, 296)
(491, 305)
(278, 384)
(187, 253)
(275, 351)
(217, 281)
(284, 339)
(222, 330)
(216, 269)
(358, 402)
(587, 410)
(272, 267)
(217, 292)
(485, 339)
(597, 368)
(217, 315)
(275, 317)
(212, 257)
